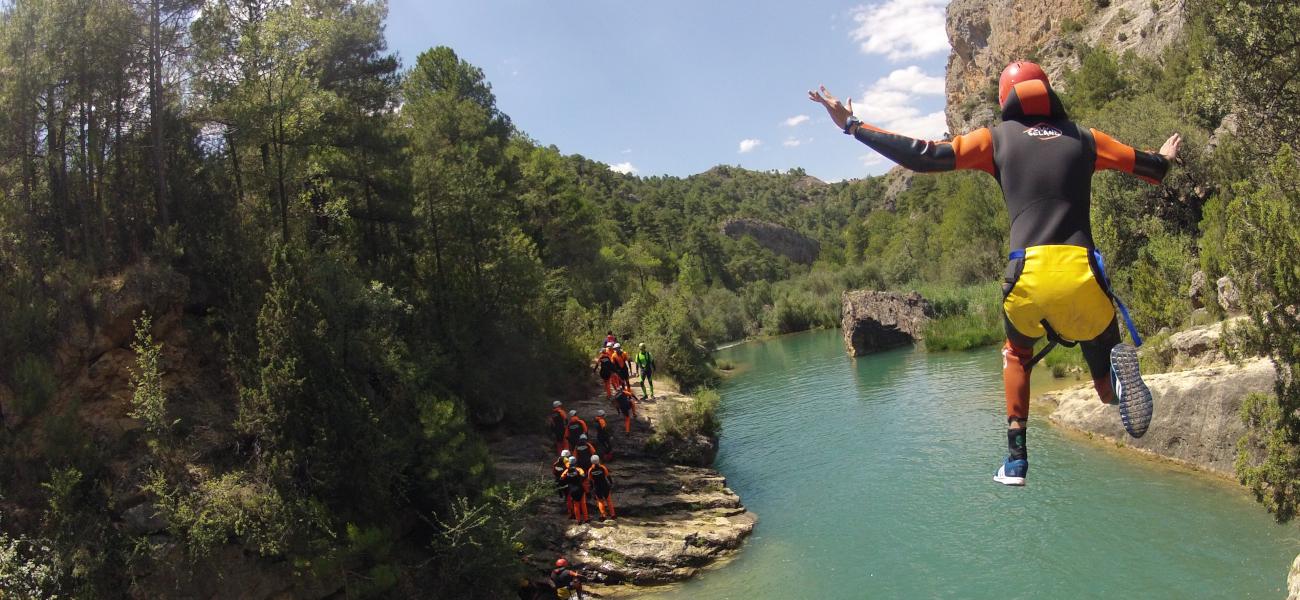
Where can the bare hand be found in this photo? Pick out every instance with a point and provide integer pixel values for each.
(839, 113)
(1170, 149)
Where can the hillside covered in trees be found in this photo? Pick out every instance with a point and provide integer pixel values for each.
(351, 268)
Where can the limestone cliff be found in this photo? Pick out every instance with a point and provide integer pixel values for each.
(777, 238)
(987, 34)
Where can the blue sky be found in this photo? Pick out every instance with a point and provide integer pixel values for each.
(675, 87)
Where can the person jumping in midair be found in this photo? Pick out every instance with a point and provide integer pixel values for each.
(1055, 283)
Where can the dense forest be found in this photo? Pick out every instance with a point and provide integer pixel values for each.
(361, 247)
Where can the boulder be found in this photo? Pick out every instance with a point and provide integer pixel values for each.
(777, 238)
(1196, 291)
(1229, 297)
(1197, 346)
(1196, 419)
(874, 321)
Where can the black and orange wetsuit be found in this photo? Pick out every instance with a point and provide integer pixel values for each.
(574, 480)
(605, 367)
(604, 441)
(557, 421)
(1044, 164)
(622, 365)
(601, 484)
(582, 453)
(626, 402)
(557, 469)
(577, 427)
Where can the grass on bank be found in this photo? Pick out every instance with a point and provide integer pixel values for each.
(965, 317)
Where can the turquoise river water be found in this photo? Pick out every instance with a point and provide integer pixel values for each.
(873, 478)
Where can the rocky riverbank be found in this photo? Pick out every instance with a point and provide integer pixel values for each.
(1196, 421)
(673, 519)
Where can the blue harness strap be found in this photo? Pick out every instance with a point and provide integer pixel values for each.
(1123, 310)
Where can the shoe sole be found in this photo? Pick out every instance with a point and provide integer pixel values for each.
(1017, 481)
(1134, 397)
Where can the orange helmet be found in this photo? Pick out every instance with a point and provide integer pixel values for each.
(561, 563)
(1016, 72)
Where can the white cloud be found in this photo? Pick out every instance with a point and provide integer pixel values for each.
(913, 80)
(796, 120)
(891, 103)
(625, 168)
(872, 159)
(626, 151)
(748, 145)
(901, 29)
(792, 143)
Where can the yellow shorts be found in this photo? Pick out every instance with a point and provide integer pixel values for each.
(1058, 284)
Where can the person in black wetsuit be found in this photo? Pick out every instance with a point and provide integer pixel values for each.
(600, 484)
(1055, 284)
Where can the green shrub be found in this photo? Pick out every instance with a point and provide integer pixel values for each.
(698, 417)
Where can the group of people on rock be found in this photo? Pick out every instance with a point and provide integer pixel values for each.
(580, 471)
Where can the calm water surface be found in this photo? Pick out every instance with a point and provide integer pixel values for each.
(872, 478)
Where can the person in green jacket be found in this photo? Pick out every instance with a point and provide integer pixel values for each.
(646, 365)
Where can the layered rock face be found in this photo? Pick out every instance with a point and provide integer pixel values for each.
(777, 238)
(874, 321)
(673, 519)
(987, 34)
(1196, 419)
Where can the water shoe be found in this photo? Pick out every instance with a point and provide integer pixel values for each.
(1130, 391)
(1012, 472)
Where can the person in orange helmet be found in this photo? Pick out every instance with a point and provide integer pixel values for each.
(1056, 283)
(566, 581)
(600, 485)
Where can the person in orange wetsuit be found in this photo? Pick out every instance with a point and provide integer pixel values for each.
(583, 452)
(557, 469)
(576, 427)
(574, 480)
(604, 439)
(626, 402)
(600, 485)
(1055, 284)
(557, 422)
(622, 364)
(605, 367)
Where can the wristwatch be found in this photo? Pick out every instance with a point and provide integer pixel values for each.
(851, 124)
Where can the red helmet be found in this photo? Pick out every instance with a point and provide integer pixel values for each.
(1017, 72)
(561, 563)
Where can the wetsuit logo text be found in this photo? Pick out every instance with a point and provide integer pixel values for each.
(1043, 132)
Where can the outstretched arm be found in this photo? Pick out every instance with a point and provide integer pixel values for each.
(1151, 167)
(971, 151)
